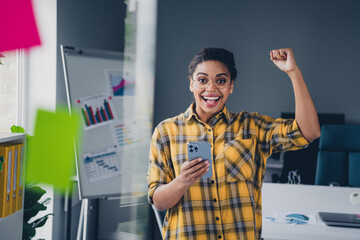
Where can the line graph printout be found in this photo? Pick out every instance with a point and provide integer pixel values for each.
(101, 165)
(120, 84)
(96, 110)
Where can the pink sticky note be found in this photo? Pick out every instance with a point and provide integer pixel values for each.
(17, 25)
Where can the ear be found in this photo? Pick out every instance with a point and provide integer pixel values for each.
(191, 85)
(232, 86)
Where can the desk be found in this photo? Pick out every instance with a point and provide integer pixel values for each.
(307, 199)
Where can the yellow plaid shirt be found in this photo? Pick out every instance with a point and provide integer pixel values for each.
(227, 205)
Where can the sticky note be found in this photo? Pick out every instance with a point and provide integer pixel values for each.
(17, 25)
(50, 154)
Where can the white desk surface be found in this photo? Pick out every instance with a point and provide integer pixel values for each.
(307, 199)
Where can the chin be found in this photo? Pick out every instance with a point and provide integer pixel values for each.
(212, 109)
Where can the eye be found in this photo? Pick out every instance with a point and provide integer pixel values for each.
(221, 81)
(202, 80)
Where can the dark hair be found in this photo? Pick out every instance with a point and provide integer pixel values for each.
(216, 54)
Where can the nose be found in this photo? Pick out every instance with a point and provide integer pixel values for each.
(211, 86)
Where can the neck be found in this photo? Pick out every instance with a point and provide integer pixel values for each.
(204, 116)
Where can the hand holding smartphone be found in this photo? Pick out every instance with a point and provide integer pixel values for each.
(201, 150)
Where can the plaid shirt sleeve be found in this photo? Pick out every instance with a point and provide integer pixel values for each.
(159, 171)
(277, 135)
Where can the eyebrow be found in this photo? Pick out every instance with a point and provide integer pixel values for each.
(217, 75)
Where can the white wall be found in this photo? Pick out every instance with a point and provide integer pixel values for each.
(40, 85)
(40, 63)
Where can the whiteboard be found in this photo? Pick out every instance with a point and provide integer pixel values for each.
(113, 157)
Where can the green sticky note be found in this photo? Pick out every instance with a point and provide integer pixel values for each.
(50, 154)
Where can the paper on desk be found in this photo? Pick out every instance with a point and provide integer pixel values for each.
(292, 218)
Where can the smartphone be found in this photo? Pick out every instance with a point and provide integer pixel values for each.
(201, 150)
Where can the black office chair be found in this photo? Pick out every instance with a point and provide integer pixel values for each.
(339, 156)
(305, 160)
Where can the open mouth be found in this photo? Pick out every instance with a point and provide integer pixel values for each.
(211, 100)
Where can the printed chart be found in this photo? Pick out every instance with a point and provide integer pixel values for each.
(101, 166)
(120, 85)
(96, 110)
(125, 133)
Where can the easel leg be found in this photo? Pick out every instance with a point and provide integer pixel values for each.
(86, 211)
(158, 219)
(82, 227)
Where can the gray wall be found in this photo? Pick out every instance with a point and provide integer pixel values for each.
(324, 35)
(88, 24)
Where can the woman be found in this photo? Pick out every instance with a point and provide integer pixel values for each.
(227, 205)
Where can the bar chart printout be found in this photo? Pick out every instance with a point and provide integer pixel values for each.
(101, 165)
(96, 110)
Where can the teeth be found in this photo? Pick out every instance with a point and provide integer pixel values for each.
(211, 98)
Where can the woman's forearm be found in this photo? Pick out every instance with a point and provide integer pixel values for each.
(305, 112)
(168, 195)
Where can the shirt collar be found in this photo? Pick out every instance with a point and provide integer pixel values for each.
(190, 112)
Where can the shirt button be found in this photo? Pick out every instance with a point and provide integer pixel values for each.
(219, 237)
(212, 181)
(214, 199)
(217, 218)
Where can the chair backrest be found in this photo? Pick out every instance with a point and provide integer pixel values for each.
(339, 155)
(304, 160)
